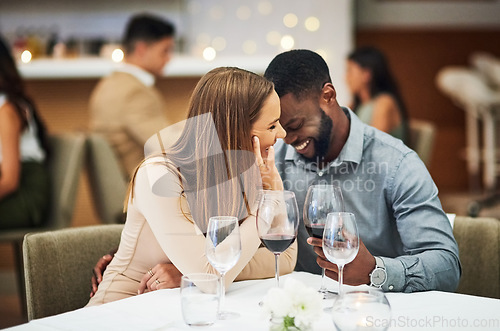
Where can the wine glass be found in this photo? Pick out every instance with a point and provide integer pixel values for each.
(340, 241)
(223, 249)
(321, 199)
(277, 222)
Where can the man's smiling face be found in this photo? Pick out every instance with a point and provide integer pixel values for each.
(308, 127)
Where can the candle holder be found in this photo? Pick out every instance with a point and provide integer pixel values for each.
(362, 310)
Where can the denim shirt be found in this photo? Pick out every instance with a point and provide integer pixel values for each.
(396, 204)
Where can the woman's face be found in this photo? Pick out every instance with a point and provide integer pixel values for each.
(356, 77)
(267, 127)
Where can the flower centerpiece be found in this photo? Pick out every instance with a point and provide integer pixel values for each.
(293, 307)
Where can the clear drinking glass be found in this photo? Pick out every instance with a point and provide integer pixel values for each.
(200, 299)
(340, 241)
(321, 199)
(277, 222)
(362, 310)
(223, 249)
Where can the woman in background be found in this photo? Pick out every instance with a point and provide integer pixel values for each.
(216, 167)
(377, 100)
(24, 184)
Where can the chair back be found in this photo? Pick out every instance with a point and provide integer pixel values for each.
(58, 266)
(478, 242)
(107, 182)
(422, 135)
(65, 165)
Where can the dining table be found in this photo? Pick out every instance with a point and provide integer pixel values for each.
(161, 310)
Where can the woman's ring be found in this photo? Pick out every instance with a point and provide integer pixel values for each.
(157, 282)
(150, 272)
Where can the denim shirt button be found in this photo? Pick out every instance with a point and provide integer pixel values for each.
(391, 287)
(320, 173)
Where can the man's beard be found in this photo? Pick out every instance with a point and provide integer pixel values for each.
(322, 142)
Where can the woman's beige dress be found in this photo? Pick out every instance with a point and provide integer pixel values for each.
(156, 231)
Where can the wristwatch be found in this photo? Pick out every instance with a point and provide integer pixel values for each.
(378, 276)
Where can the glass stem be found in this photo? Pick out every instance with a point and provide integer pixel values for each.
(222, 293)
(323, 287)
(277, 269)
(341, 279)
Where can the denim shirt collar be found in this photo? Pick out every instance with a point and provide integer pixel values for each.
(352, 150)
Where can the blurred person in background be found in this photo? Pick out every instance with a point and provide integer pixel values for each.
(125, 107)
(24, 179)
(376, 97)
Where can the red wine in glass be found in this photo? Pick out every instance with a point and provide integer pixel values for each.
(315, 230)
(277, 222)
(321, 199)
(277, 243)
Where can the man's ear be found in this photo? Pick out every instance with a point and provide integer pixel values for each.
(328, 93)
(140, 47)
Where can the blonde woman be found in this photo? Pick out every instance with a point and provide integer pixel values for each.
(233, 122)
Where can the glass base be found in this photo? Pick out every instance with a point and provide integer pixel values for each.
(328, 294)
(227, 315)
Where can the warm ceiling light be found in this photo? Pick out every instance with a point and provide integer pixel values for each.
(249, 47)
(290, 20)
(312, 23)
(117, 55)
(216, 13)
(265, 7)
(287, 42)
(244, 13)
(209, 53)
(219, 43)
(26, 56)
(273, 38)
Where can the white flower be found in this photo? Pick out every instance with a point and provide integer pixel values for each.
(294, 305)
(277, 302)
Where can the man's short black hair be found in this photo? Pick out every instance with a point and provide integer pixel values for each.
(299, 72)
(148, 28)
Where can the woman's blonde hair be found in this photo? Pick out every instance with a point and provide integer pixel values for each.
(214, 158)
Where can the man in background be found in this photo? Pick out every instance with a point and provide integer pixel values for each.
(125, 107)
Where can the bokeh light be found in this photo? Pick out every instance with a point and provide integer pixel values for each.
(265, 8)
(312, 23)
(219, 43)
(290, 20)
(117, 55)
(287, 42)
(243, 13)
(273, 38)
(216, 13)
(26, 56)
(249, 47)
(209, 53)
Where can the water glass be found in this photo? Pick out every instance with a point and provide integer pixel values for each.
(200, 299)
(362, 310)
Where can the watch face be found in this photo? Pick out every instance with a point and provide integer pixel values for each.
(378, 276)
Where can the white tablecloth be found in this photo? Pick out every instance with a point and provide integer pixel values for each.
(160, 310)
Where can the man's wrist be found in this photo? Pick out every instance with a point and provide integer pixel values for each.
(378, 276)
